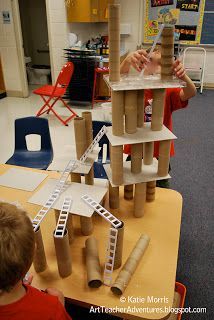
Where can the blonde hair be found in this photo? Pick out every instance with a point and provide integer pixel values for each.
(17, 243)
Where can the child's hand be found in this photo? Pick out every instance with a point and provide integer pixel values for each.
(179, 70)
(137, 59)
(56, 293)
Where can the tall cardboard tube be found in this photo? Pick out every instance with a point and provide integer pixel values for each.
(114, 42)
(131, 111)
(86, 224)
(130, 266)
(140, 108)
(148, 152)
(150, 191)
(139, 199)
(80, 136)
(128, 192)
(113, 197)
(93, 263)
(75, 177)
(63, 255)
(136, 157)
(70, 228)
(117, 164)
(89, 178)
(117, 102)
(158, 109)
(167, 52)
(119, 247)
(39, 260)
(164, 158)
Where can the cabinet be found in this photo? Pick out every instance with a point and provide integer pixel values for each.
(88, 10)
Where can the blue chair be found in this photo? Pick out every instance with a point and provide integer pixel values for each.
(99, 171)
(32, 159)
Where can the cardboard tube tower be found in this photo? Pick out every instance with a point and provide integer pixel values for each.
(117, 102)
(114, 42)
(130, 266)
(150, 191)
(89, 178)
(136, 157)
(63, 255)
(139, 199)
(117, 164)
(113, 197)
(39, 260)
(131, 111)
(119, 247)
(167, 52)
(93, 263)
(164, 158)
(140, 108)
(158, 109)
(128, 192)
(148, 151)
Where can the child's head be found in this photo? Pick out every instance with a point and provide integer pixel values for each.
(154, 66)
(17, 245)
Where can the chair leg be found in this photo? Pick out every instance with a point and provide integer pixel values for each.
(41, 110)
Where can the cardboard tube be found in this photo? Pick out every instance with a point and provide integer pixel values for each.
(140, 108)
(117, 102)
(57, 213)
(158, 109)
(119, 247)
(167, 44)
(128, 192)
(69, 225)
(131, 111)
(39, 260)
(136, 157)
(164, 158)
(89, 178)
(93, 263)
(75, 177)
(63, 255)
(117, 164)
(86, 224)
(80, 136)
(139, 199)
(150, 191)
(113, 197)
(148, 152)
(114, 42)
(175, 305)
(130, 265)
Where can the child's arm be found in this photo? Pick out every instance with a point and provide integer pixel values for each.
(135, 59)
(190, 90)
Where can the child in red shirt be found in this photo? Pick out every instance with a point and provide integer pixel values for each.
(175, 99)
(20, 301)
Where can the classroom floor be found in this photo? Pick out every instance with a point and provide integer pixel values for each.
(192, 175)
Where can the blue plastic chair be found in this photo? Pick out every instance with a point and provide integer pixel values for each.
(32, 159)
(99, 171)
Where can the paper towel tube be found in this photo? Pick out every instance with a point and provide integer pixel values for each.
(136, 157)
(139, 199)
(158, 109)
(113, 197)
(114, 46)
(140, 108)
(119, 247)
(130, 266)
(93, 263)
(148, 151)
(117, 164)
(128, 192)
(164, 158)
(80, 136)
(39, 260)
(131, 111)
(167, 43)
(150, 191)
(117, 102)
(63, 255)
(86, 224)
(89, 178)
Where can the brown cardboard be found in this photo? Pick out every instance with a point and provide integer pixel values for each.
(94, 277)
(89, 178)
(80, 136)
(128, 192)
(140, 108)
(119, 247)
(63, 255)
(131, 111)
(75, 177)
(117, 164)
(139, 199)
(167, 44)
(136, 157)
(164, 157)
(158, 109)
(113, 197)
(150, 191)
(148, 152)
(117, 112)
(114, 43)
(39, 260)
(86, 225)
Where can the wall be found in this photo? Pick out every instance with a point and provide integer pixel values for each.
(9, 53)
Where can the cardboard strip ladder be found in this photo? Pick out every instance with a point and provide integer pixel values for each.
(55, 194)
(63, 218)
(110, 256)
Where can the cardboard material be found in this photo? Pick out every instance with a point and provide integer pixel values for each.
(70, 229)
(130, 266)
(148, 151)
(148, 173)
(22, 179)
(142, 135)
(158, 109)
(118, 112)
(119, 247)
(150, 191)
(39, 260)
(128, 192)
(164, 158)
(86, 224)
(167, 44)
(75, 177)
(117, 164)
(114, 42)
(80, 136)
(63, 255)
(94, 276)
(131, 111)
(77, 190)
(89, 178)
(140, 108)
(139, 199)
(113, 197)
(136, 157)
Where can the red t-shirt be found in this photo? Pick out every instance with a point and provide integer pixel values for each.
(172, 103)
(35, 305)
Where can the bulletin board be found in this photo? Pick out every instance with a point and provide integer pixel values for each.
(186, 15)
(207, 36)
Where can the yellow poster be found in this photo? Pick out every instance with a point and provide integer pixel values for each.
(168, 16)
(153, 28)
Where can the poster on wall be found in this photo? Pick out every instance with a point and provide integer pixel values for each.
(153, 28)
(188, 5)
(158, 3)
(168, 16)
(187, 33)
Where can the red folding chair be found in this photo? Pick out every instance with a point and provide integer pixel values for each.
(56, 92)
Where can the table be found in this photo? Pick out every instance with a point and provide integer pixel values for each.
(155, 275)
